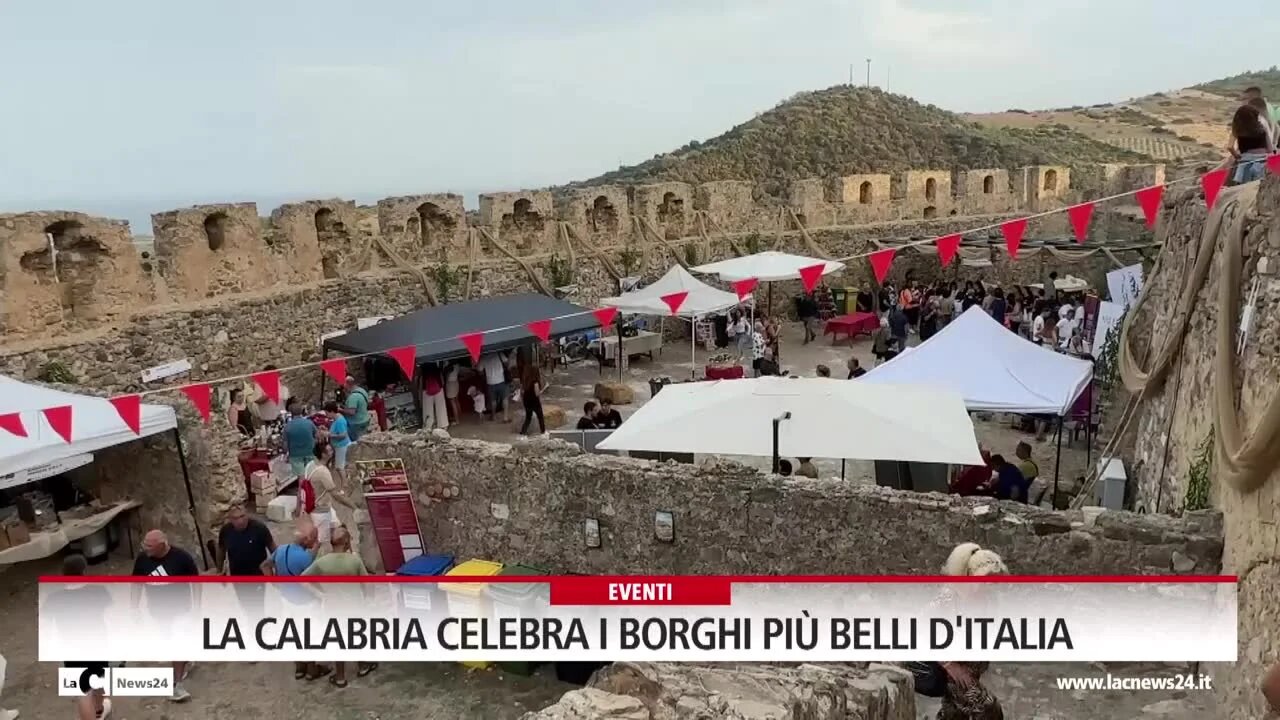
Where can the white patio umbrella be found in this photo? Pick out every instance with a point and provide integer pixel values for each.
(815, 417)
(767, 267)
(696, 299)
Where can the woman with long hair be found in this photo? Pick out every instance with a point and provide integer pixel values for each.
(965, 697)
(531, 395)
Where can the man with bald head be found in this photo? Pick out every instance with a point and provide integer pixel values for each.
(167, 601)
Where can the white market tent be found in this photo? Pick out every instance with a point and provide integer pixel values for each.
(827, 419)
(95, 425)
(768, 266)
(994, 369)
(702, 299)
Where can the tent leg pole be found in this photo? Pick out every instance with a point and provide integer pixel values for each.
(622, 351)
(324, 355)
(1088, 430)
(1057, 465)
(776, 459)
(693, 348)
(842, 469)
(191, 498)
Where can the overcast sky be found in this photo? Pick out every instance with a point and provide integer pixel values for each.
(112, 106)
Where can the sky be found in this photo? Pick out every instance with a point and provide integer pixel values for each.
(127, 108)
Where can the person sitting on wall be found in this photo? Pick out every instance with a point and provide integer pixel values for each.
(1009, 482)
(588, 419)
(1036, 486)
(607, 418)
(807, 468)
(972, 480)
(855, 369)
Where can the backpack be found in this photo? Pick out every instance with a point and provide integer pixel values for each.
(306, 493)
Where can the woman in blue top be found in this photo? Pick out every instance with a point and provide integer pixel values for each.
(339, 438)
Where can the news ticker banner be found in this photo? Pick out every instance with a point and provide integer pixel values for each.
(613, 619)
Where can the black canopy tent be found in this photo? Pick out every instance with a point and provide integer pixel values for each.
(434, 331)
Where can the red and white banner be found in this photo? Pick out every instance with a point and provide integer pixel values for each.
(705, 619)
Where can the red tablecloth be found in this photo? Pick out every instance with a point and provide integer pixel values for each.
(722, 372)
(252, 461)
(851, 325)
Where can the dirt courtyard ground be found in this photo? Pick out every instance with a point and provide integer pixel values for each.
(431, 691)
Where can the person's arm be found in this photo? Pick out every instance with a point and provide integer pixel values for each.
(271, 541)
(268, 566)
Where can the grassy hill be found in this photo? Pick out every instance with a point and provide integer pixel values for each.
(846, 130)
(1268, 80)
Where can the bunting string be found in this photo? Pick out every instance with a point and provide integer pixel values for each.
(948, 247)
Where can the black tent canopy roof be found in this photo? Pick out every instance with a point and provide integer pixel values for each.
(434, 331)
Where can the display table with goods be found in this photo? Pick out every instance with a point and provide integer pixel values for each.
(22, 539)
(851, 325)
(264, 463)
(723, 367)
(642, 342)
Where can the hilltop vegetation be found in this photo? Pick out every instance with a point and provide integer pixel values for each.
(1268, 80)
(846, 130)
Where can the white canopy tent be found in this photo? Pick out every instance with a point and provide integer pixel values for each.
(994, 369)
(767, 266)
(701, 300)
(824, 418)
(95, 425)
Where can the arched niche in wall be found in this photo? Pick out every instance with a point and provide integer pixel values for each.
(216, 226)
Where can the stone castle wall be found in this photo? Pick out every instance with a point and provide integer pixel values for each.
(94, 276)
(528, 503)
(1176, 420)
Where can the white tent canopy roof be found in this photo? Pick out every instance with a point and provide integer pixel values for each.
(766, 266)
(702, 300)
(994, 369)
(829, 419)
(95, 425)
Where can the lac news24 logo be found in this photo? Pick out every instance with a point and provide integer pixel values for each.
(119, 682)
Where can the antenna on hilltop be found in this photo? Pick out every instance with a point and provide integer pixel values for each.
(868, 72)
(886, 78)
(850, 74)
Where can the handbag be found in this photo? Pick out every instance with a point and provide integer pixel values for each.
(930, 678)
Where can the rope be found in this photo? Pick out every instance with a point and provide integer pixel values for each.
(809, 242)
(538, 282)
(646, 228)
(591, 248)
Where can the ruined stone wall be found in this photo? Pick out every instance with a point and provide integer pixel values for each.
(1176, 420)
(227, 250)
(64, 271)
(529, 502)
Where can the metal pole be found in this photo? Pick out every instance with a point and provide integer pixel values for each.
(842, 469)
(868, 72)
(776, 456)
(191, 498)
(1088, 428)
(621, 350)
(324, 355)
(693, 347)
(1057, 465)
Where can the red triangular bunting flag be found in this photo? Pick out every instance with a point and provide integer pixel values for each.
(60, 420)
(130, 409)
(811, 275)
(1080, 215)
(675, 300)
(269, 382)
(1149, 199)
(744, 288)
(405, 357)
(605, 316)
(1212, 183)
(1273, 163)
(1013, 231)
(473, 341)
(335, 368)
(880, 262)
(199, 396)
(541, 329)
(947, 246)
(12, 424)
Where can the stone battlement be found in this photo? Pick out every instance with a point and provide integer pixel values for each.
(65, 271)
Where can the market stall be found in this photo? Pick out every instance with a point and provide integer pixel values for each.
(767, 267)
(33, 526)
(993, 369)
(691, 298)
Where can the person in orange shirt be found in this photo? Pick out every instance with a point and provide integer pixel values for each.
(909, 301)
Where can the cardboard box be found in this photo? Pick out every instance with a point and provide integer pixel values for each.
(17, 534)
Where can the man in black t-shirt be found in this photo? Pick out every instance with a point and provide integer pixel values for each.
(244, 546)
(588, 419)
(167, 601)
(607, 418)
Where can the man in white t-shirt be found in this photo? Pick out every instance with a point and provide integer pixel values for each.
(268, 409)
(495, 377)
(1037, 329)
(1065, 327)
(1065, 310)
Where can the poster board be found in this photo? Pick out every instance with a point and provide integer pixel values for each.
(389, 498)
(1109, 316)
(1125, 284)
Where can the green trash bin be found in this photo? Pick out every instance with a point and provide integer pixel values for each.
(517, 600)
(839, 298)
